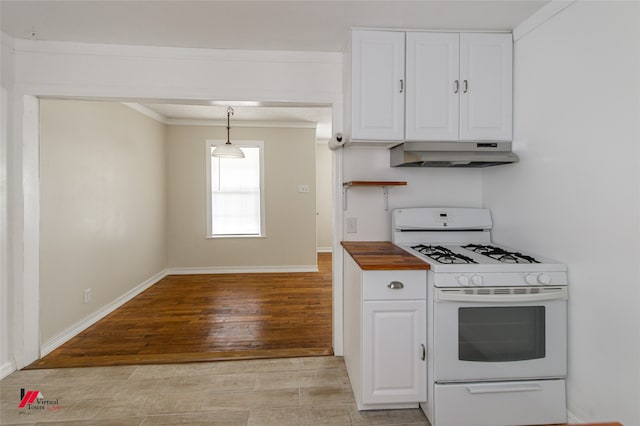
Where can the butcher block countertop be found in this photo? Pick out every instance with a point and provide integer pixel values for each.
(381, 255)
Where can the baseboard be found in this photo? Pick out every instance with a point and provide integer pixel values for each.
(74, 330)
(573, 419)
(242, 270)
(324, 250)
(7, 368)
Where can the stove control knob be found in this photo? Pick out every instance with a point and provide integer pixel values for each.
(544, 279)
(463, 280)
(531, 279)
(476, 280)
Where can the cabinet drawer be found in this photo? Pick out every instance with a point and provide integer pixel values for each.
(410, 285)
(501, 404)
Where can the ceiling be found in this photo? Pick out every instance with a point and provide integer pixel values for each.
(246, 114)
(300, 25)
(310, 25)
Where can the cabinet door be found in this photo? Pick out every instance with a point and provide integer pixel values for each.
(433, 86)
(393, 336)
(486, 87)
(377, 81)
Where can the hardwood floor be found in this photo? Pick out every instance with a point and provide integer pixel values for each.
(187, 318)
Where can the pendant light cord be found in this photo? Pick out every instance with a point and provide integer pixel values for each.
(229, 112)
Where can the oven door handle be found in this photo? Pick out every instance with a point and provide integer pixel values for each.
(444, 296)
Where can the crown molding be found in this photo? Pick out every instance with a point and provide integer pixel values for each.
(547, 12)
(146, 111)
(137, 51)
(238, 123)
(217, 123)
(7, 40)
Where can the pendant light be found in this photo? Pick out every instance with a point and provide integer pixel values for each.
(227, 150)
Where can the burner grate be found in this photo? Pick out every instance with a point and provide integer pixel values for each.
(443, 254)
(499, 254)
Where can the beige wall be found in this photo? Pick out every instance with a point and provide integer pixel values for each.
(324, 197)
(123, 198)
(290, 216)
(103, 207)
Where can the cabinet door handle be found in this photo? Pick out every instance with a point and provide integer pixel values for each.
(466, 86)
(401, 86)
(395, 285)
(424, 353)
(457, 84)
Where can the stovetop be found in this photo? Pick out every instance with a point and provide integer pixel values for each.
(480, 257)
(457, 245)
(446, 255)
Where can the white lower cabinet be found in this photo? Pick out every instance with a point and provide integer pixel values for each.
(385, 336)
(393, 357)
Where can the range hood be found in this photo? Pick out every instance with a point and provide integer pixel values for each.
(452, 154)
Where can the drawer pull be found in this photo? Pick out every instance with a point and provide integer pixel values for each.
(503, 388)
(395, 285)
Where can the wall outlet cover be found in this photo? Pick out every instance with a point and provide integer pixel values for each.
(352, 225)
(86, 295)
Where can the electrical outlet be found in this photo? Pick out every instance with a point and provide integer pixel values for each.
(352, 225)
(86, 295)
(303, 188)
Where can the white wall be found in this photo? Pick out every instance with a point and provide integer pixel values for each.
(6, 77)
(83, 69)
(102, 207)
(289, 243)
(324, 197)
(575, 195)
(431, 187)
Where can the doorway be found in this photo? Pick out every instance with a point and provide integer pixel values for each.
(108, 222)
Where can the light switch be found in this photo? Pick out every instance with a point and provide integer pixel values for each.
(352, 225)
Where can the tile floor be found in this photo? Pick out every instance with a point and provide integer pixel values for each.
(290, 391)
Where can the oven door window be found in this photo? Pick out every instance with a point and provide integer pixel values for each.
(501, 334)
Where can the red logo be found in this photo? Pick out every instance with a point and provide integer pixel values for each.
(29, 398)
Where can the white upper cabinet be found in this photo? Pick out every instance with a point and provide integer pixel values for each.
(433, 86)
(377, 85)
(449, 87)
(486, 86)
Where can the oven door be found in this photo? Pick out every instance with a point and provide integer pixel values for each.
(501, 333)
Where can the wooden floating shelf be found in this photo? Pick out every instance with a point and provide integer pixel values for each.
(369, 183)
(372, 183)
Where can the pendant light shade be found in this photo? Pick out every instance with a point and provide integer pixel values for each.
(228, 150)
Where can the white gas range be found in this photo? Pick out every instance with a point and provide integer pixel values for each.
(496, 322)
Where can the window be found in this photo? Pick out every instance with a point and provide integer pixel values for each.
(235, 194)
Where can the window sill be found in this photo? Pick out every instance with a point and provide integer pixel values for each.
(217, 237)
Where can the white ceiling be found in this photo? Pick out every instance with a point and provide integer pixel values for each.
(312, 25)
(269, 115)
(299, 25)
